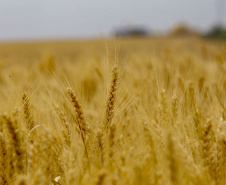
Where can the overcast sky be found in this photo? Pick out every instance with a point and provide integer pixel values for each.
(49, 19)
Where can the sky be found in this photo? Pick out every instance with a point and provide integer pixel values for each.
(65, 19)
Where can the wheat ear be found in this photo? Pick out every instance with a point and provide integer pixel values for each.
(100, 144)
(65, 126)
(16, 143)
(206, 142)
(3, 172)
(172, 159)
(111, 97)
(80, 118)
(26, 109)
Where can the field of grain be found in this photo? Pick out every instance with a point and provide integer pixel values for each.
(133, 111)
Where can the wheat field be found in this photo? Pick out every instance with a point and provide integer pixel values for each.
(132, 111)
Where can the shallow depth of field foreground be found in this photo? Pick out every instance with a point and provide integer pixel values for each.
(128, 112)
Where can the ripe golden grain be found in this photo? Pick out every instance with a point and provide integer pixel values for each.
(123, 138)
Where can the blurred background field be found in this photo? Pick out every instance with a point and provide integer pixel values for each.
(125, 47)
